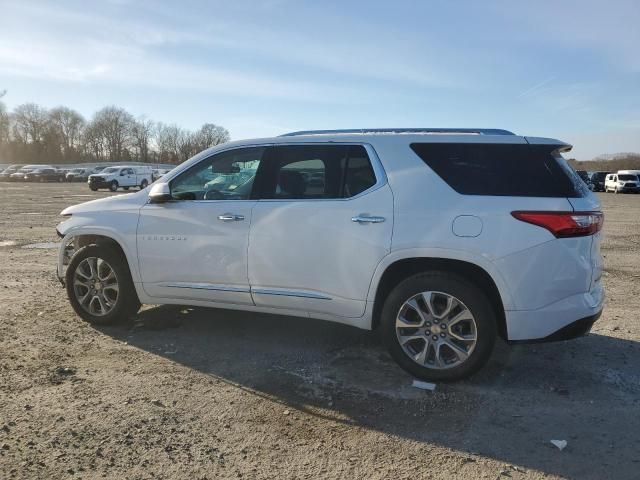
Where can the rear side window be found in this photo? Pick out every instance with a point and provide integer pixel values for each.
(502, 169)
(314, 172)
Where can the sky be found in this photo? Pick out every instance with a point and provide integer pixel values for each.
(567, 70)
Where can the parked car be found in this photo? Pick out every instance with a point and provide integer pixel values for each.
(10, 170)
(19, 174)
(121, 176)
(597, 181)
(78, 175)
(44, 175)
(622, 183)
(159, 173)
(442, 260)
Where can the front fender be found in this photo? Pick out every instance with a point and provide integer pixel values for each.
(123, 232)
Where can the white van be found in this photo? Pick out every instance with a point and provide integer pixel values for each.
(124, 176)
(622, 182)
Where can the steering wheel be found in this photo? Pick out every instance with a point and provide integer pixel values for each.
(213, 194)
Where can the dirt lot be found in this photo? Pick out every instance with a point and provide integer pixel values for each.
(218, 394)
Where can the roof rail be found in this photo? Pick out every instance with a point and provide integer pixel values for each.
(475, 131)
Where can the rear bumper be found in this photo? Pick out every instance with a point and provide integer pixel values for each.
(575, 329)
(562, 320)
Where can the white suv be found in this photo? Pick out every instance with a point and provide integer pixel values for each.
(443, 239)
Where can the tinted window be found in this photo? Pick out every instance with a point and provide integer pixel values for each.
(314, 172)
(625, 176)
(502, 169)
(225, 176)
(359, 174)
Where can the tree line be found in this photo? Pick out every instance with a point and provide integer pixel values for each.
(33, 134)
(630, 161)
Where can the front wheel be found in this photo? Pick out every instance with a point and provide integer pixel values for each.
(99, 285)
(113, 186)
(143, 184)
(438, 327)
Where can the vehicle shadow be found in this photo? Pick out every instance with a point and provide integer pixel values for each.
(584, 391)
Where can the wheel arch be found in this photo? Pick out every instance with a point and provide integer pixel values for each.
(399, 269)
(80, 237)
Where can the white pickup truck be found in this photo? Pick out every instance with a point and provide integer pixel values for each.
(121, 176)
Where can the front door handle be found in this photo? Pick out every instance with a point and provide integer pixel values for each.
(230, 217)
(363, 218)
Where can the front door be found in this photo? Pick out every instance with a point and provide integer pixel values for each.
(321, 225)
(194, 247)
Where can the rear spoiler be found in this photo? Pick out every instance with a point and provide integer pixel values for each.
(552, 143)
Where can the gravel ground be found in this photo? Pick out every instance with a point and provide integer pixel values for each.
(184, 393)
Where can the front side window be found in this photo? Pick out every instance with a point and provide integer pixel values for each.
(307, 172)
(225, 176)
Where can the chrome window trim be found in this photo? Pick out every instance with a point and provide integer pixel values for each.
(378, 171)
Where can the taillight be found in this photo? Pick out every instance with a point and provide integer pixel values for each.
(564, 224)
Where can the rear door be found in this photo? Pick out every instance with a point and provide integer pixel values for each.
(322, 223)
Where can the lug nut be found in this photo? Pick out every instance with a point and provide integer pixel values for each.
(443, 334)
(443, 326)
(435, 337)
(428, 332)
(428, 324)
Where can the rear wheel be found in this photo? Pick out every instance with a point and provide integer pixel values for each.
(143, 184)
(438, 326)
(113, 186)
(99, 285)
(126, 188)
(94, 189)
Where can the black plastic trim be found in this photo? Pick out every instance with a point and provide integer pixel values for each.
(575, 329)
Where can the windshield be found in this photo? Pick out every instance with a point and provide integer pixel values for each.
(110, 170)
(627, 177)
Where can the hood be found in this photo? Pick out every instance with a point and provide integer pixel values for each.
(128, 201)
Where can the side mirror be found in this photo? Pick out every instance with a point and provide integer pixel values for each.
(160, 193)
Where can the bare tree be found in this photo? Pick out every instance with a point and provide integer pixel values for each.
(29, 123)
(4, 126)
(66, 127)
(141, 133)
(113, 124)
(210, 135)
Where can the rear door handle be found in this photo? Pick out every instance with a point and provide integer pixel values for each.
(230, 217)
(367, 219)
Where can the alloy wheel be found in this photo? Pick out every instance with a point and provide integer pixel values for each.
(436, 330)
(95, 285)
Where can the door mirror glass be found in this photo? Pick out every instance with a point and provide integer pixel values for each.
(160, 193)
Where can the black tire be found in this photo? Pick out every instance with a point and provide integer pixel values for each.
(113, 186)
(470, 295)
(143, 184)
(125, 188)
(94, 189)
(127, 302)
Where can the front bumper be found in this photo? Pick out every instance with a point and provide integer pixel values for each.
(629, 189)
(99, 183)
